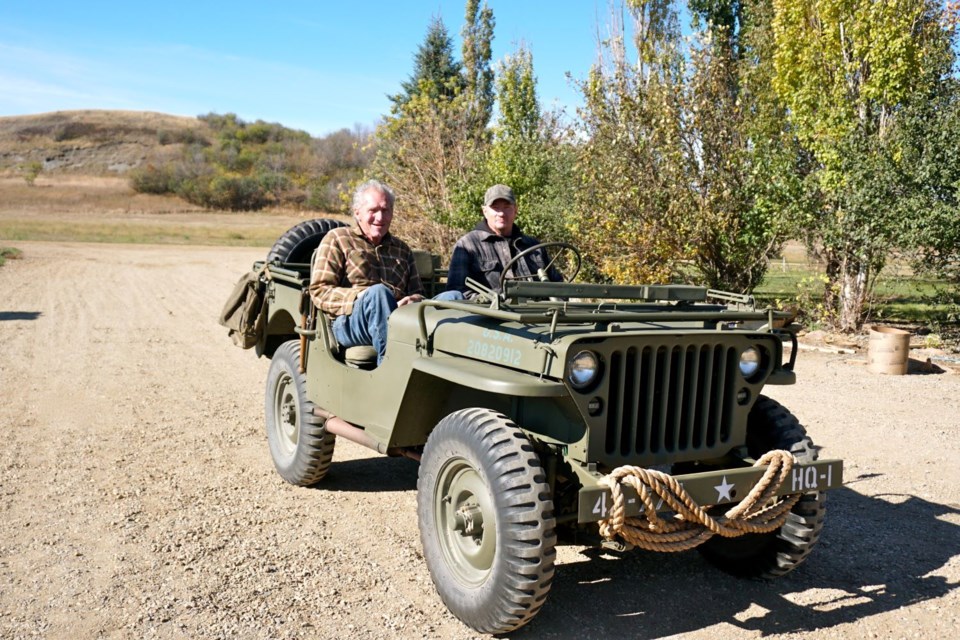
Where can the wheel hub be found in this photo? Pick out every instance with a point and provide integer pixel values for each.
(287, 422)
(468, 520)
(463, 504)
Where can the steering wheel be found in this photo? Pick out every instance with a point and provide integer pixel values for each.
(565, 247)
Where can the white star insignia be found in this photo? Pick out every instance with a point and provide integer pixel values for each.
(724, 490)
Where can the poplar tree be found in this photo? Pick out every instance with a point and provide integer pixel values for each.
(478, 75)
(846, 69)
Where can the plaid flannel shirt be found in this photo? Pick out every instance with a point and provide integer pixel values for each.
(481, 255)
(348, 263)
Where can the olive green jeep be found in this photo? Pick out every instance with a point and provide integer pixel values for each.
(554, 412)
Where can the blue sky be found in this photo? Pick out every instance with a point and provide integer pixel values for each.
(318, 66)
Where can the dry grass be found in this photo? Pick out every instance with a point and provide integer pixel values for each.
(88, 127)
(93, 141)
(82, 194)
(104, 209)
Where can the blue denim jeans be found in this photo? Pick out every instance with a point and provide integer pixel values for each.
(368, 322)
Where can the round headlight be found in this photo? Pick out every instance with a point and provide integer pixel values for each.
(749, 362)
(583, 369)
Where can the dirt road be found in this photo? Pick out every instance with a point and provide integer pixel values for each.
(138, 499)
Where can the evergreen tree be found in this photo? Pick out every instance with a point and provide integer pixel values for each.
(435, 71)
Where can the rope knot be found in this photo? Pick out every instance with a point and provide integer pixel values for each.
(690, 525)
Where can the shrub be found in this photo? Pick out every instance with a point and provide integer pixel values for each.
(248, 166)
(31, 170)
(274, 184)
(180, 136)
(9, 253)
(235, 193)
(72, 130)
(154, 179)
(330, 195)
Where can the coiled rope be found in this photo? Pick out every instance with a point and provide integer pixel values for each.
(691, 525)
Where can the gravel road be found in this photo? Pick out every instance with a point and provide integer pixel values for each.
(138, 499)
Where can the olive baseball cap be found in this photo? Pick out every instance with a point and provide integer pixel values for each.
(499, 192)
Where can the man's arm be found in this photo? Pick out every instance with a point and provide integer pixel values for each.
(328, 273)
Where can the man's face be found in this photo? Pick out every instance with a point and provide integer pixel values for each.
(500, 215)
(374, 215)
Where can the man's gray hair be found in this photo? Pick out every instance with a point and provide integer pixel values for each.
(376, 185)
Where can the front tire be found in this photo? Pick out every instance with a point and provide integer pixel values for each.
(301, 448)
(770, 555)
(486, 520)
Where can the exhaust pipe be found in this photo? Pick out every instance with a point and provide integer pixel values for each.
(343, 429)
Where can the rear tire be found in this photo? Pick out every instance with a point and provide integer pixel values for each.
(299, 445)
(298, 243)
(769, 555)
(486, 520)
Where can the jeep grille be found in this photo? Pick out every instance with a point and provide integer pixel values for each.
(666, 400)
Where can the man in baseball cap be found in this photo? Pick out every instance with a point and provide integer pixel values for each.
(499, 192)
(483, 253)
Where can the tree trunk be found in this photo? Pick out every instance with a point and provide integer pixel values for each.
(853, 295)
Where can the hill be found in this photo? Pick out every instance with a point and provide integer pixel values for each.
(96, 142)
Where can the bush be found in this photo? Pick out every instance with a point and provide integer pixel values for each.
(72, 130)
(236, 194)
(248, 166)
(153, 179)
(275, 184)
(180, 136)
(31, 170)
(9, 253)
(329, 194)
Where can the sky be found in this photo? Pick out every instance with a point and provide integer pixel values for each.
(318, 66)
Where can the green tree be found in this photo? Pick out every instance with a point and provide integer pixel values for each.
(725, 19)
(423, 152)
(633, 203)
(687, 162)
(743, 166)
(845, 68)
(477, 73)
(925, 138)
(436, 73)
(438, 150)
(426, 146)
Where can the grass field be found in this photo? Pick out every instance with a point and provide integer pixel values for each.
(105, 209)
(900, 296)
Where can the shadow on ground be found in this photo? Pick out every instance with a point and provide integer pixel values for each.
(876, 555)
(19, 315)
(377, 474)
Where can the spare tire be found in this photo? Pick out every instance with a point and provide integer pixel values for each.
(298, 243)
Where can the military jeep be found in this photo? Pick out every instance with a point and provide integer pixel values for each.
(551, 413)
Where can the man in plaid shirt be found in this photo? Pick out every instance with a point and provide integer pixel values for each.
(483, 253)
(362, 273)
